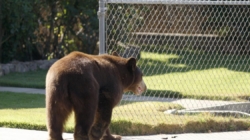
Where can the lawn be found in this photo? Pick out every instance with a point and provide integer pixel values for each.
(200, 76)
(176, 74)
(28, 111)
(33, 79)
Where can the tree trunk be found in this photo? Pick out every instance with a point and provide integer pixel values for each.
(48, 46)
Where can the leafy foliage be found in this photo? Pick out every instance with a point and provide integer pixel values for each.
(18, 24)
(46, 29)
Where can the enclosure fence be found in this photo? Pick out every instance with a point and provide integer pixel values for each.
(195, 56)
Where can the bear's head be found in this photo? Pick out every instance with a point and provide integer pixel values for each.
(137, 86)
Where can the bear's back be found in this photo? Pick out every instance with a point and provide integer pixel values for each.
(77, 64)
(74, 62)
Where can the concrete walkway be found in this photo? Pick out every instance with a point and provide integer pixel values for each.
(189, 104)
(23, 90)
(21, 134)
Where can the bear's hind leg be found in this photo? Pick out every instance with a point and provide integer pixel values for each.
(57, 114)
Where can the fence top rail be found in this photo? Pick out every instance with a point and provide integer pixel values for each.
(182, 2)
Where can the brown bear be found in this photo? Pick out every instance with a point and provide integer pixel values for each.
(91, 86)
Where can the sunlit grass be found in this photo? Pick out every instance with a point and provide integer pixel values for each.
(194, 80)
(144, 112)
(211, 83)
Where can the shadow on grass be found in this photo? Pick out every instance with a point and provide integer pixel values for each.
(193, 60)
(32, 79)
(21, 100)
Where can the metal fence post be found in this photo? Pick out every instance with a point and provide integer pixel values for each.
(101, 16)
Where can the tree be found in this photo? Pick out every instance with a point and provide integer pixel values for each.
(46, 29)
(67, 26)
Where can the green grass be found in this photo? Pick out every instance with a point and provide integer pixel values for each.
(34, 79)
(200, 76)
(183, 74)
(27, 111)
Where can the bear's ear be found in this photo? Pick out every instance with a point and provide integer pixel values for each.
(131, 63)
(115, 53)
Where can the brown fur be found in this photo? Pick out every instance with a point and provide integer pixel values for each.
(90, 86)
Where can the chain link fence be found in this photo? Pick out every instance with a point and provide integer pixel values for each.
(195, 56)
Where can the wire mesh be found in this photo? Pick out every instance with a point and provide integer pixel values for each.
(195, 60)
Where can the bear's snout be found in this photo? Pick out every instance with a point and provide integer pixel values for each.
(141, 88)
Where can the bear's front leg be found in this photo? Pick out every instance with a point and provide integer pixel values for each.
(102, 118)
(108, 136)
(84, 116)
